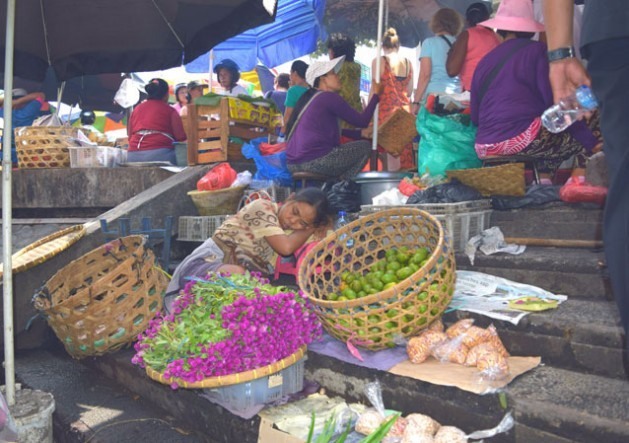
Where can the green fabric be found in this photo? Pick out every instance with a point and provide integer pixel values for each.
(293, 95)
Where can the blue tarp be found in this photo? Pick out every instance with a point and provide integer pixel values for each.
(294, 33)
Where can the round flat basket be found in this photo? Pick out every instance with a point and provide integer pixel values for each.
(374, 321)
(219, 202)
(45, 248)
(232, 379)
(101, 301)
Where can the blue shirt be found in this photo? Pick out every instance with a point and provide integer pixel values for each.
(436, 49)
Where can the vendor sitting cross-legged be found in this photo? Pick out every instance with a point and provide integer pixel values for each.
(313, 134)
(154, 126)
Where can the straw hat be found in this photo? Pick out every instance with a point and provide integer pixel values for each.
(317, 69)
(514, 15)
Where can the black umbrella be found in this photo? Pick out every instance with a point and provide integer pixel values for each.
(79, 37)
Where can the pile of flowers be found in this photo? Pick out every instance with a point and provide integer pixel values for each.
(226, 324)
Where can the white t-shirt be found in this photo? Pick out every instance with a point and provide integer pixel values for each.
(236, 91)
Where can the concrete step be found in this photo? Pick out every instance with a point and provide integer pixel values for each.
(569, 271)
(554, 220)
(92, 407)
(580, 335)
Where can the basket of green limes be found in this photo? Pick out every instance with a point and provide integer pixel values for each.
(385, 275)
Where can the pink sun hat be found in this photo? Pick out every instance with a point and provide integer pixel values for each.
(514, 15)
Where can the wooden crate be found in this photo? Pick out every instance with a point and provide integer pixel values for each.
(209, 129)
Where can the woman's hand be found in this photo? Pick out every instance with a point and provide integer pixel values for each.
(597, 148)
(377, 88)
(367, 132)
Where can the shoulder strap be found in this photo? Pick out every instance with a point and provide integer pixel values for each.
(301, 113)
(446, 40)
(494, 72)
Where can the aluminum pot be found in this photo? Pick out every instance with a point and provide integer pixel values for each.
(374, 183)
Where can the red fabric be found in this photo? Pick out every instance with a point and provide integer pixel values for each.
(268, 149)
(154, 115)
(220, 177)
(577, 190)
(407, 188)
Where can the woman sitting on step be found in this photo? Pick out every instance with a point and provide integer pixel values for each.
(154, 126)
(511, 90)
(312, 133)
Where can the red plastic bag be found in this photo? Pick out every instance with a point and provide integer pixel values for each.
(577, 190)
(220, 177)
(407, 187)
(268, 148)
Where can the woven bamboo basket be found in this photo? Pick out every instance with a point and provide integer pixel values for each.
(45, 248)
(219, 202)
(397, 132)
(507, 179)
(101, 301)
(374, 321)
(44, 146)
(232, 379)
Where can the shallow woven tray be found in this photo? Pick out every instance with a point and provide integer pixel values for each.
(45, 248)
(397, 131)
(320, 271)
(219, 202)
(233, 379)
(505, 179)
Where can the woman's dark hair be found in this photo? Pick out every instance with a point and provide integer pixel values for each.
(316, 198)
(342, 45)
(283, 81)
(518, 34)
(156, 89)
(476, 13)
(301, 104)
(300, 67)
(446, 20)
(88, 117)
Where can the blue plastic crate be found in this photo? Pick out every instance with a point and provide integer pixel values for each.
(262, 390)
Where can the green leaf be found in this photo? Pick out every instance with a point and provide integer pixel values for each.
(502, 398)
(311, 429)
(377, 435)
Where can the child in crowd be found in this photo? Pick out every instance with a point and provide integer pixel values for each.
(252, 238)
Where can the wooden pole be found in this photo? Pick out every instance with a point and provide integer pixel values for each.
(559, 243)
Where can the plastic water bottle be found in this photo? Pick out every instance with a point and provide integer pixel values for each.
(558, 117)
(340, 222)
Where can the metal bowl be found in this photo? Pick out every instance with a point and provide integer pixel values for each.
(374, 183)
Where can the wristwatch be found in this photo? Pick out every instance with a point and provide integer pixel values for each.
(560, 54)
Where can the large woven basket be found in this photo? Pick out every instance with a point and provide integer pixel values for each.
(507, 179)
(374, 321)
(44, 146)
(101, 301)
(397, 131)
(232, 379)
(220, 202)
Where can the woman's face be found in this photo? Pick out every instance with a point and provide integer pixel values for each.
(181, 95)
(330, 81)
(296, 215)
(225, 77)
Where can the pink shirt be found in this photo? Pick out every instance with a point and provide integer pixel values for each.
(480, 41)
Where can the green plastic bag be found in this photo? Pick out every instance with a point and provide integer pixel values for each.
(447, 142)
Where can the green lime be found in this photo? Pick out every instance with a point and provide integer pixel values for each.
(377, 284)
(422, 296)
(344, 275)
(393, 266)
(349, 293)
(373, 318)
(356, 286)
(387, 278)
(391, 313)
(342, 298)
(332, 296)
(350, 278)
(403, 273)
(390, 252)
(389, 285)
(422, 309)
(361, 294)
(402, 258)
(419, 256)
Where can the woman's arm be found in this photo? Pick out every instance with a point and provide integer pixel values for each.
(177, 124)
(286, 244)
(425, 69)
(339, 107)
(457, 54)
(373, 75)
(287, 113)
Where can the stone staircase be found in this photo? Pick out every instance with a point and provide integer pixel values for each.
(579, 393)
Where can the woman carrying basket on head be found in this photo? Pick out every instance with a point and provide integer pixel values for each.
(154, 126)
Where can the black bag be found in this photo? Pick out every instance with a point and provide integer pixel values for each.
(343, 196)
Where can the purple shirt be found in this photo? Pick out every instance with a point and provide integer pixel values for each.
(519, 93)
(317, 131)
